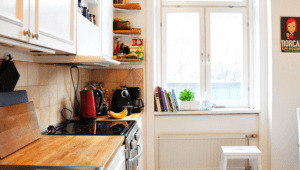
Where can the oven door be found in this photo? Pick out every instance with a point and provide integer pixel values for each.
(133, 161)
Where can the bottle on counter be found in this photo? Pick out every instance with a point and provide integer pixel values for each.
(94, 19)
(91, 17)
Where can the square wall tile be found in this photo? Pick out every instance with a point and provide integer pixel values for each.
(44, 117)
(140, 71)
(60, 72)
(53, 94)
(52, 74)
(33, 93)
(44, 73)
(105, 75)
(22, 69)
(111, 87)
(53, 114)
(33, 78)
(67, 74)
(44, 96)
(63, 92)
(122, 75)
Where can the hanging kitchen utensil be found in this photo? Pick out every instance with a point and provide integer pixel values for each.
(9, 76)
(133, 79)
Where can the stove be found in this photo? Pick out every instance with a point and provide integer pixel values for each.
(128, 129)
(94, 128)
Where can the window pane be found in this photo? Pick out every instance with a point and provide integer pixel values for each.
(226, 56)
(183, 52)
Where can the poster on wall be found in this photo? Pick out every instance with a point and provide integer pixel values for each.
(290, 38)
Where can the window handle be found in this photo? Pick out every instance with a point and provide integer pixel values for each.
(202, 57)
(208, 58)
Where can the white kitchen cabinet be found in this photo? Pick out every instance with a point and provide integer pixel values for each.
(14, 19)
(118, 162)
(53, 22)
(107, 28)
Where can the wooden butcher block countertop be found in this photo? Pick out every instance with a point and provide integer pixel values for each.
(133, 116)
(65, 152)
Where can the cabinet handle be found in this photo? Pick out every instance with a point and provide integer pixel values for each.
(37, 35)
(27, 33)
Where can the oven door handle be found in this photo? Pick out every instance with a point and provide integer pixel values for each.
(138, 155)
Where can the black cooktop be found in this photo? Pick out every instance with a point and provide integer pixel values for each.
(94, 128)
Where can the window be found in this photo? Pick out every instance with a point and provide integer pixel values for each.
(206, 50)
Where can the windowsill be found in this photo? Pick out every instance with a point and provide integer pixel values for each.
(222, 111)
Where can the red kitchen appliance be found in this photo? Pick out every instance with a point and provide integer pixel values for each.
(88, 105)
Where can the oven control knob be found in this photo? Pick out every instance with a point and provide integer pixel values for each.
(133, 144)
(138, 134)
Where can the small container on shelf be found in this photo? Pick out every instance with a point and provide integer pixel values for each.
(94, 19)
(84, 12)
(91, 18)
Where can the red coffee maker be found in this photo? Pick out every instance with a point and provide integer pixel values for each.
(88, 106)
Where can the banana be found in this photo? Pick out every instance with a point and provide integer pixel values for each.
(120, 115)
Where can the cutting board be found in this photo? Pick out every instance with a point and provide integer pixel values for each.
(18, 127)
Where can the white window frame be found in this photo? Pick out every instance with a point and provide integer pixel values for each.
(245, 100)
(202, 45)
(203, 3)
(205, 76)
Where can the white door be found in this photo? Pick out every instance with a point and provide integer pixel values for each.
(14, 15)
(54, 22)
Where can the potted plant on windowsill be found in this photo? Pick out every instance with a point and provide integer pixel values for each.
(187, 100)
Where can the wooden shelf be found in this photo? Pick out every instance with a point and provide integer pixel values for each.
(126, 35)
(126, 10)
(128, 32)
(128, 60)
(92, 2)
(128, 6)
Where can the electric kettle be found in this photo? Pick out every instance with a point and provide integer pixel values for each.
(88, 105)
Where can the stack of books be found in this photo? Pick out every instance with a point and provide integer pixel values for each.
(165, 101)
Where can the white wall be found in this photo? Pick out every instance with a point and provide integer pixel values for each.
(285, 91)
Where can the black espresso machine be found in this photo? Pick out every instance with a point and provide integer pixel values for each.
(129, 97)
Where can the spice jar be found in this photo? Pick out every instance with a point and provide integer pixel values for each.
(91, 17)
(94, 19)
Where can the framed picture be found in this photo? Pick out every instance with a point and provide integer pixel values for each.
(290, 37)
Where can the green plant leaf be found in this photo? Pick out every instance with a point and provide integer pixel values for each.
(186, 95)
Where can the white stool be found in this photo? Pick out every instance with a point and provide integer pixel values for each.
(240, 152)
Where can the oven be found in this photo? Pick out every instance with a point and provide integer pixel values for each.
(134, 149)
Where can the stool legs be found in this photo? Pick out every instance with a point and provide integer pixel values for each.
(223, 163)
(259, 163)
(255, 164)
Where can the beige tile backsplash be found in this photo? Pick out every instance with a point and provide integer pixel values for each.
(50, 87)
(113, 78)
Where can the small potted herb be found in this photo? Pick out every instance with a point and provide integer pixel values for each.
(187, 100)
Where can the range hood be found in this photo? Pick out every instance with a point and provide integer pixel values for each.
(76, 60)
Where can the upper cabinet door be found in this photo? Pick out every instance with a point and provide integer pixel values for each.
(107, 28)
(14, 19)
(53, 24)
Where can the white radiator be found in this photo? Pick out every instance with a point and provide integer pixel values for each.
(197, 152)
